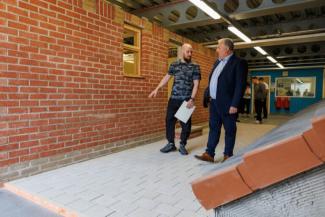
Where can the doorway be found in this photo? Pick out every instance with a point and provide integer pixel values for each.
(267, 80)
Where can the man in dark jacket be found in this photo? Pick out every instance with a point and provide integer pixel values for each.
(259, 97)
(226, 87)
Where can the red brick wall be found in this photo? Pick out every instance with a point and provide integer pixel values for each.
(62, 84)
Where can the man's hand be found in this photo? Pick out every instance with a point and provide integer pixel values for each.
(232, 110)
(153, 93)
(190, 103)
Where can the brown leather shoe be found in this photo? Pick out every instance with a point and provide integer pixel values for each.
(222, 159)
(225, 157)
(205, 157)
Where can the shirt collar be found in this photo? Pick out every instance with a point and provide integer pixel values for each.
(226, 58)
(183, 61)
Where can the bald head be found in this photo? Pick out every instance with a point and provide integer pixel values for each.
(187, 52)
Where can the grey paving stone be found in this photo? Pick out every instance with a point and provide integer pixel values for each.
(97, 211)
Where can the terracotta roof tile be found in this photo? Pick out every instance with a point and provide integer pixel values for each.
(268, 165)
(220, 187)
(316, 144)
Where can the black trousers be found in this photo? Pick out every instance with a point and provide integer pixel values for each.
(246, 105)
(258, 109)
(173, 106)
(264, 109)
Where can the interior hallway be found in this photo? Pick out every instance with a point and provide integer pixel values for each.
(138, 182)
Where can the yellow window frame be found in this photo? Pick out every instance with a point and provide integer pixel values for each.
(135, 49)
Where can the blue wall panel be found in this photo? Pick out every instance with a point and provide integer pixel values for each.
(296, 103)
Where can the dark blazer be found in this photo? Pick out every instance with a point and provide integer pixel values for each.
(231, 84)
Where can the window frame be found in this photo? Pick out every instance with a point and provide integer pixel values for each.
(294, 78)
(133, 48)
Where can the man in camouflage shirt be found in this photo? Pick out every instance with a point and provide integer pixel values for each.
(186, 82)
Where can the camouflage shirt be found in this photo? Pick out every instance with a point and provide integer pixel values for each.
(184, 74)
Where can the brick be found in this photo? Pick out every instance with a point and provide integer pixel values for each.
(9, 103)
(4, 59)
(17, 25)
(36, 18)
(41, 161)
(8, 89)
(57, 9)
(13, 154)
(39, 149)
(27, 6)
(8, 162)
(8, 16)
(28, 35)
(4, 156)
(39, 3)
(30, 171)
(8, 31)
(19, 54)
(8, 45)
(29, 21)
(29, 144)
(28, 158)
(19, 124)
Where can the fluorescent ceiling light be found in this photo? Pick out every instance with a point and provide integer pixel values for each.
(279, 65)
(272, 59)
(239, 33)
(206, 9)
(259, 49)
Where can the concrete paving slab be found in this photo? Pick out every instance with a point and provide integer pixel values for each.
(137, 182)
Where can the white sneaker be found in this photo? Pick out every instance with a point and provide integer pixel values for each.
(258, 122)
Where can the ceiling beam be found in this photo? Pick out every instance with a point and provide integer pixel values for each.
(287, 51)
(164, 11)
(276, 29)
(318, 37)
(269, 7)
(147, 3)
(243, 11)
(285, 68)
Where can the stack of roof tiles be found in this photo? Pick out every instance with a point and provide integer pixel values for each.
(292, 148)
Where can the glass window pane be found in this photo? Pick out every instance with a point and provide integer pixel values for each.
(130, 37)
(130, 62)
(296, 86)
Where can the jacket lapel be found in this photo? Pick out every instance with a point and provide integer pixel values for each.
(228, 65)
(213, 68)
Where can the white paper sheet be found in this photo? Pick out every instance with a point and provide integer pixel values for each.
(184, 113)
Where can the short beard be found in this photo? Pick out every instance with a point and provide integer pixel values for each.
(188, 60)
